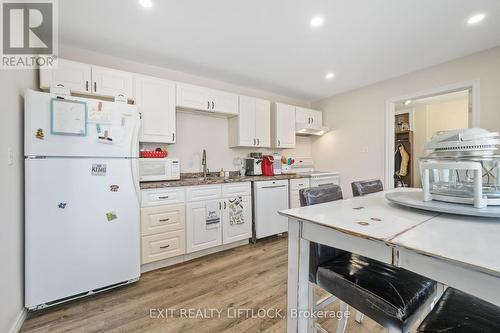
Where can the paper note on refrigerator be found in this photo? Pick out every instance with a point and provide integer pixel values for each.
(68, 117)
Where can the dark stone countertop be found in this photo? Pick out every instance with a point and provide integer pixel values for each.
(194, 181)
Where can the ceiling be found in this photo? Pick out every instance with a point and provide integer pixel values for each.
(270, 45)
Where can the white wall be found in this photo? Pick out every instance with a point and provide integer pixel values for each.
(357, 118)
(196, 132)
(432, 118)
(12, 86)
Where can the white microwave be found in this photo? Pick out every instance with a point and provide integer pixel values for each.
(159, 169)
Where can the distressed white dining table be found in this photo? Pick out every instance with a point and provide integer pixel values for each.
(458, 251)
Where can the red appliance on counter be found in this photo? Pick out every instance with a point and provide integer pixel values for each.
(267, 165)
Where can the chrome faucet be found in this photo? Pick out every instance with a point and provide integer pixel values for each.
(204, 164)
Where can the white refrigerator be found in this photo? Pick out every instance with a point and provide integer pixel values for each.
(81, 197)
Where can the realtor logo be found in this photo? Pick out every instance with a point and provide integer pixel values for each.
(29, 33)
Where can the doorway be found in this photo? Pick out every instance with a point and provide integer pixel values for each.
(413, 121)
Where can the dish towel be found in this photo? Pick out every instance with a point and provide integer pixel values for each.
(236, 215)
(213, 213)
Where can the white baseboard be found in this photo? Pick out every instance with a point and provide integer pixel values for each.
(21, 317)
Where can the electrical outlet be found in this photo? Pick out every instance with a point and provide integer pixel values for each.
(364, 149)
(10, 156)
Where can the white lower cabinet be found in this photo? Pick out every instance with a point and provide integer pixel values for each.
(233, 205)
(174, 220)
(201, 235)
(295, 186)
(163, 233)
(236, 226)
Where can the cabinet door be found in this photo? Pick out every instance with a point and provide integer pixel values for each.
(193, 97)
(316, 117)
(263, 123)
(302, 115)
(111, 82)
(246, 122)
(224, 102)
(236, 226)
(156, 101)
(70, 74)
(199, 234)
(284, 126)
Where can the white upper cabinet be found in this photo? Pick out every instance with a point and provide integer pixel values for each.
(252, 127)
(283, 126)
(155, 99)
(88, 79)
(308, 116)
(224, 102)
(204, 99)
(193, 97)
(112, 82)
(73, 75)
(263, 123)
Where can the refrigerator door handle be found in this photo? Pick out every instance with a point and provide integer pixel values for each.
(134, 153)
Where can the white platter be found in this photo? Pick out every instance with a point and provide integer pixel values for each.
(414, 199)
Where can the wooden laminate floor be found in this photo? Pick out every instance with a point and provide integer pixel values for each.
(245, 278)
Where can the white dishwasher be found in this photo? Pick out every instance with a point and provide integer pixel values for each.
(270, 197)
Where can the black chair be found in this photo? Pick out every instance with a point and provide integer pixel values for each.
(393, 297)
(458, 312)
(364, 187)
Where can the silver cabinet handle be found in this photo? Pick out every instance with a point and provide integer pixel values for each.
(164, 247)
(208, 105)
(95, 86)
(224, 205)
(258, 142)
(279, 143)
(86, 85)
(276, 186)
(213, 105)
(220, 205)
(173, 136)
(254, 142)
(163, 197)
(164, 220)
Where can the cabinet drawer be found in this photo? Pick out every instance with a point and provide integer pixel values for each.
(163, 246)
(236, 189)
(297, 184)
(162, 196)
(160, 219)
(204, 192)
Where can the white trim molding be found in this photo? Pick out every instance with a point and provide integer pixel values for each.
(390, 111)
(18, 323)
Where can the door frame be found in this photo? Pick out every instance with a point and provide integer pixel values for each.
(390, 111)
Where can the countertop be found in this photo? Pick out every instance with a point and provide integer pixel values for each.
(193, 181)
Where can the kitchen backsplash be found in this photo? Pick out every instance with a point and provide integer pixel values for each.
(196, 132)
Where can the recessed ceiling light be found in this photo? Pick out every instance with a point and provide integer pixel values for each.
(329, 76)
(475, 19)
(317, 21)
(407, 102)
(146, 3)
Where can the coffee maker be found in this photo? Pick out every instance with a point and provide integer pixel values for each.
(253, 164)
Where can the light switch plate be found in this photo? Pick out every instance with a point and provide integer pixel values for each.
(10, 156)
(364, 149)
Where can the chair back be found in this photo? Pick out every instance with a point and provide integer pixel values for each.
(321, 194)
(364, 187)
(320, 254)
